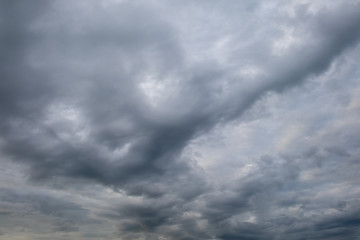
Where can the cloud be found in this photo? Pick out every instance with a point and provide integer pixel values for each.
(24, 206)
(207, 120)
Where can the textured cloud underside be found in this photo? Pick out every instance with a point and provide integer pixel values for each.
(179, 119)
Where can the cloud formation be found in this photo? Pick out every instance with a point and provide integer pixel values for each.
(179, 120)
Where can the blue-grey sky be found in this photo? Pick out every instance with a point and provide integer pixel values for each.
(179, 120)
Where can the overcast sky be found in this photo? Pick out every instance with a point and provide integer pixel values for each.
(179, 119)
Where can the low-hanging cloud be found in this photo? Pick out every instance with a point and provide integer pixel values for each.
(125, 95)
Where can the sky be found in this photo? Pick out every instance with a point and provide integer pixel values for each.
(179, 120)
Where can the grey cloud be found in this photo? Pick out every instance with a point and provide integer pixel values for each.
(74, 105)
(64, 216)
(19, 93)
(156, 143)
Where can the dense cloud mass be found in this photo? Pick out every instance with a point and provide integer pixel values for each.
(179, 120)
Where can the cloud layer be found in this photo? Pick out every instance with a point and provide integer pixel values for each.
(179, 120)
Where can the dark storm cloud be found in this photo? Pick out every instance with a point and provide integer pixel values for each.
(28, 93)
(20, 85)
(156, 141)
(73, 105)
